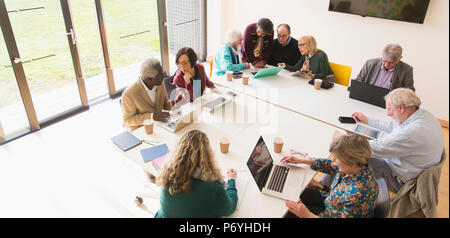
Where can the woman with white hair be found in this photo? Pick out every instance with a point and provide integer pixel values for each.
(227, 57)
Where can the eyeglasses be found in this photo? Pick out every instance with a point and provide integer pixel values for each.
(183, 63)
(283, 36)
(302, 44)
(388, 62)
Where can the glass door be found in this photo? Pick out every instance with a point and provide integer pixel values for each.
(133, 36)
(42, 40)
(90, 48)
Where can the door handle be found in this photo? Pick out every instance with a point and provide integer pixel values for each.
(72, 35)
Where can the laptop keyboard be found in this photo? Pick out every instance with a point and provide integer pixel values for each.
(173, 125)
(278, 178)
(214, 103)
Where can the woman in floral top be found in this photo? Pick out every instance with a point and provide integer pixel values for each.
(354, 190)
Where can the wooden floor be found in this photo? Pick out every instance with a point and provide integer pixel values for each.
(71, 169)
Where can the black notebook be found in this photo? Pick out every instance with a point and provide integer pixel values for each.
(126, 141)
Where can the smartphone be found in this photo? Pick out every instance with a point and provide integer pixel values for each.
(232, 93)
(349, 120)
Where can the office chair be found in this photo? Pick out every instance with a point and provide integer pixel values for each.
(342, 73)
(383, 204)
(169, 85)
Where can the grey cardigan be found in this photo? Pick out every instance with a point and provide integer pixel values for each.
(403, 76)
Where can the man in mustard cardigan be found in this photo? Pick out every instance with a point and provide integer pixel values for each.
(146, 98)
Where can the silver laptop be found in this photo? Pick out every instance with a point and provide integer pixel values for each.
(181, 119)
(219, 101)
(275, 179)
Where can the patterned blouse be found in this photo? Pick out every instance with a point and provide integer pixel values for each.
(350, 196)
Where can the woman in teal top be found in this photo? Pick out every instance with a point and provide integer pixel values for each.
(227, 57)
(314, 62)
(192, 185)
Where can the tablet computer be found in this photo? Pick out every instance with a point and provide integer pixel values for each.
(369, 132)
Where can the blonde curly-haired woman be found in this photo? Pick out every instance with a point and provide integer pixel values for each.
(192, 185)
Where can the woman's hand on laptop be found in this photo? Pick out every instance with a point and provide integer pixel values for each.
(290, 159)
(360, 117)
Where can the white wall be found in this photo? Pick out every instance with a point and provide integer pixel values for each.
(351, 40)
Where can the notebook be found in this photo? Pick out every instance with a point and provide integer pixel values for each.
(126, 141)
(159, 162)
(156, 154)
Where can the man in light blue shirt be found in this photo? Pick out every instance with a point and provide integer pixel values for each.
(412, 142)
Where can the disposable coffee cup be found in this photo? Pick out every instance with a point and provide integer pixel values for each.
(277, 144)
(224, 145)
(229, 75)
(245, 79)
(148, 125)
(317, 83)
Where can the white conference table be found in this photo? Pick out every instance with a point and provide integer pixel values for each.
(242, 122)
(296, 94)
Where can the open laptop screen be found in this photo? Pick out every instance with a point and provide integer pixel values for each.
(260, 163)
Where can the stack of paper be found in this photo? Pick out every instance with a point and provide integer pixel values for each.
(156, 154)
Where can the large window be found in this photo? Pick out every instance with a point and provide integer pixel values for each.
(133, 36)
(90, 48)
(13, 119)
(41, 38)
(64, 54)
(186, 27)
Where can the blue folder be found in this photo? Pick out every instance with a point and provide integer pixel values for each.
(126, 141)
(154, 152)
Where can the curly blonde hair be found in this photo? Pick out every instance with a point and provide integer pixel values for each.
(194, 158)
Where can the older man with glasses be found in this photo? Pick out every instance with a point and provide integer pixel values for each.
(388, 71)
(285, 49)
(413, 140)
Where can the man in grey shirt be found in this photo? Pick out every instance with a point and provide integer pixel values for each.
(413, 141)
(389, 71)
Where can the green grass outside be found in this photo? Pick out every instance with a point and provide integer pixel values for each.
(41, 32)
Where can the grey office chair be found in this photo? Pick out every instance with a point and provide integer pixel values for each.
(383, 201)
(169, 85)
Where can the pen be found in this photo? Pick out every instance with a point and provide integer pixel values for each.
(147, 142)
